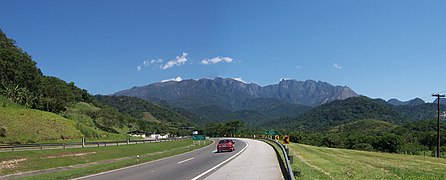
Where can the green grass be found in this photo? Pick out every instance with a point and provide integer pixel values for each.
(39, 160)
(29, 125)
(331, 163)
(25, 125)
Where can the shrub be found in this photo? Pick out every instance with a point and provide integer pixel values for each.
(363, 146)
(3, 131)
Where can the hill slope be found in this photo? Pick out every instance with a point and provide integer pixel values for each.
(24, 125)
(141, 109)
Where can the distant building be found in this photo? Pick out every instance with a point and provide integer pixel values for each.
(148, 135)
(138, 133)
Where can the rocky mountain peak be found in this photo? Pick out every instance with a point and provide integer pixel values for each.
(235, 94)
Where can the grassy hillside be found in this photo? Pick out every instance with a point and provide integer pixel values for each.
(22, 125)
(331, 163)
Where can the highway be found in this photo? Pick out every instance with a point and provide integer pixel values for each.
(205, 164)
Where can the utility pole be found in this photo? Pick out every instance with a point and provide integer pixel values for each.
(438, 122)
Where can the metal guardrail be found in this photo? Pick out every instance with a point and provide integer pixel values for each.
(21, 147)
(287, 158)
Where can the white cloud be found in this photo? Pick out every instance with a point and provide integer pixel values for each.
(178, 61)
(240, 80)
(152, 61)
(337, 66)
(138, 68)
(177, 79)
(216, 60)
(285, 79)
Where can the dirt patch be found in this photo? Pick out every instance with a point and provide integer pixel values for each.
(10, 164)
(70, 155)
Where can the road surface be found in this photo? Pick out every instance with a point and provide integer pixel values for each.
(206, 164)
(258, 161)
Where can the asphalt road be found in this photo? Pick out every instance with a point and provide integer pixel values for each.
(258, 161)
(194, 165)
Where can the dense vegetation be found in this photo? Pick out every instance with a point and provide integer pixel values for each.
(340, 112)
(374, 135)
(150, 117)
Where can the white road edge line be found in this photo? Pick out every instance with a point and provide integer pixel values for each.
(185, 160)
(218, 165)
(128, 167)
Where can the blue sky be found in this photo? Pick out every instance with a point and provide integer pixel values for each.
(381, 49)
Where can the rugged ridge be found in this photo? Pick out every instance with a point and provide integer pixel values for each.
(236, 95)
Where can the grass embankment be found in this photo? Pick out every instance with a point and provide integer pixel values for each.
(15, 162)
(23, 125)
(331, 163)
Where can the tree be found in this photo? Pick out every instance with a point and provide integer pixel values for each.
(18, 70)
(234, 126)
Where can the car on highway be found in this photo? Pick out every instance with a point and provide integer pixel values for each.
(225, 145)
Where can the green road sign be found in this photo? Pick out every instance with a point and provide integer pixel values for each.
(198, 137)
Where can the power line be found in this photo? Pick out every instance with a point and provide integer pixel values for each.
(438, 122)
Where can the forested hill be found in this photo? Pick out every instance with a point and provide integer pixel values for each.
(340, 112)
(142, 109)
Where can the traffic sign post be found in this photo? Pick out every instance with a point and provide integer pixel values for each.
(276, 137)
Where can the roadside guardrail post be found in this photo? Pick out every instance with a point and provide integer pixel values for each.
(291, 159)
(83, 142)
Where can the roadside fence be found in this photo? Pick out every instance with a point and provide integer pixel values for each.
(83, 144)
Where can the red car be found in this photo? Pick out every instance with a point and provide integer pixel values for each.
(225, 145)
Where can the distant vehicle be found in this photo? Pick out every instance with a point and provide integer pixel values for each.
(225, 145)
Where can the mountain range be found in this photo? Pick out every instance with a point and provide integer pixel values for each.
(235, 95)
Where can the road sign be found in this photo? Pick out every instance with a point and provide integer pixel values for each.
(263, 136)
(276, 137)
(198, 137)
(286, 139)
